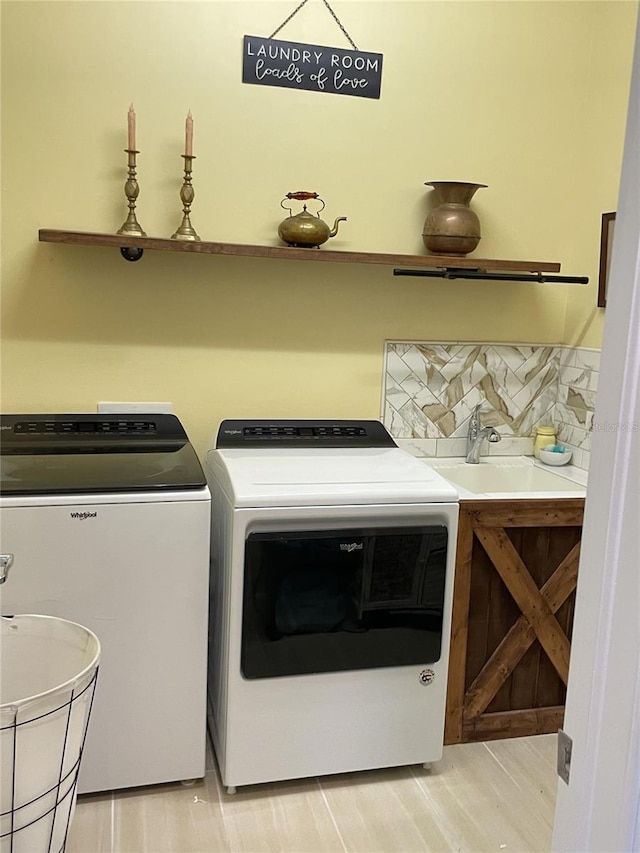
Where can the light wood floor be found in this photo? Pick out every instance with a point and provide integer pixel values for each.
(480, 797)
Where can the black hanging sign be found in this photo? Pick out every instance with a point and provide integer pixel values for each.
(292, 65)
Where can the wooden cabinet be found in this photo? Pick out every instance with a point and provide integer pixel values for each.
(514, 592)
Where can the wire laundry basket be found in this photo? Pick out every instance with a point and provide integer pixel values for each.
(49, 669)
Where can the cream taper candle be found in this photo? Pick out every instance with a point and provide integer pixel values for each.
(131, 128)
(188, 141)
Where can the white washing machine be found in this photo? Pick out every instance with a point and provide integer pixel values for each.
(106, 523)
(331, 582)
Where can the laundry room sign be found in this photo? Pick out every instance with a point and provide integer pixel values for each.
(315, 68)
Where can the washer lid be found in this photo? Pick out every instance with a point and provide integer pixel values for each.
(89, 454)
(326, 476)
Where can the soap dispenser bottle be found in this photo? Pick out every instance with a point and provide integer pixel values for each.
(545, 436)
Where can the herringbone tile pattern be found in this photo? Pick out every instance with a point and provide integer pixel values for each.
(432, 388)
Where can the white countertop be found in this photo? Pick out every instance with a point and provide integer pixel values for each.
(504, 477)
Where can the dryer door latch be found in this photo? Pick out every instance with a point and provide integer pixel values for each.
(6, 561)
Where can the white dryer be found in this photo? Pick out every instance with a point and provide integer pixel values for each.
(332, 572)
(106, 523)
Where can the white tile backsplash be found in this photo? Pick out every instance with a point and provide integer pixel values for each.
(396, 368)
(451, 447)
(579, 377)
(586, 357)
(396, 395)
(419, 446)
(431, 388)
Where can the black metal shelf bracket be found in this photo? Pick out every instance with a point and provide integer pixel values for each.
(453, 273)
(131, 253)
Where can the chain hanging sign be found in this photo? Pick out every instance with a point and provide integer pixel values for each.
(315, 68)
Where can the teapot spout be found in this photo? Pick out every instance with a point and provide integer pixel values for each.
(334, 230)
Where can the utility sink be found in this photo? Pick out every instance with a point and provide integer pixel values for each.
(510, 476)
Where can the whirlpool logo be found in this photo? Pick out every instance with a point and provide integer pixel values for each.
(82, 516)
(351, 546)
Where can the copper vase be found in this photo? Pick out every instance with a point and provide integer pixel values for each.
(452, 228)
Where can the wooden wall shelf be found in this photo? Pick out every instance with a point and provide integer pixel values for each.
(121, 241)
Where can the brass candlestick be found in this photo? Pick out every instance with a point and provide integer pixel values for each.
(186, 231)
(131, 190)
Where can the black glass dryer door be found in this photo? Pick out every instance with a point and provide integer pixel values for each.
(342, 600)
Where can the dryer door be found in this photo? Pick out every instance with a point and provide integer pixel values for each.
(333, 600)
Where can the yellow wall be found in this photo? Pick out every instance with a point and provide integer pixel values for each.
(527, 97)
(606, 107)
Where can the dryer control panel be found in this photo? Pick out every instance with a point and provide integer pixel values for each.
(302, 433)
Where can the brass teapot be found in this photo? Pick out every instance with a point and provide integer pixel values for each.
(304, 229)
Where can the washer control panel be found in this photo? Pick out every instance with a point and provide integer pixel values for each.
(120, 426)
(66, 433)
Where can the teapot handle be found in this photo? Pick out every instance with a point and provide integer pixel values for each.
(302, 195)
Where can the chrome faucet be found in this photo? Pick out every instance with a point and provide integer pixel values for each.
(476, 434)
